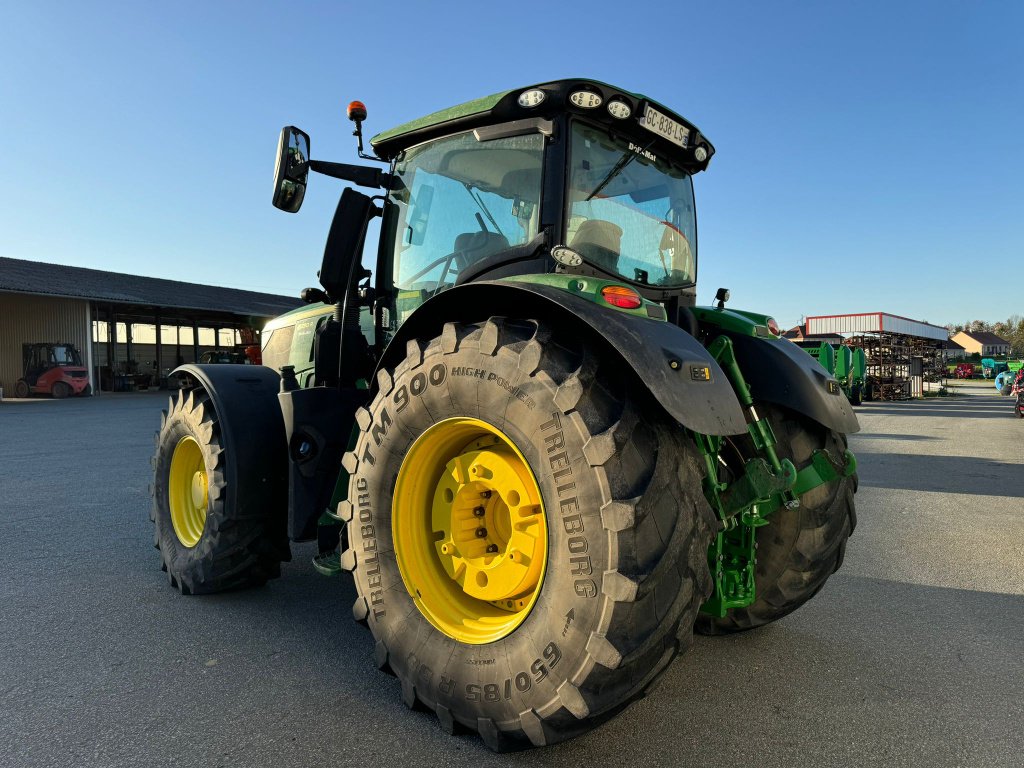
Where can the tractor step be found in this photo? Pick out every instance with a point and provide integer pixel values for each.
(328, 563)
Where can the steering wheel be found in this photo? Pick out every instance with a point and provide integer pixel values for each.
(446, 260)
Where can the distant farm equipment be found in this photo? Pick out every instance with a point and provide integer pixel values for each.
(964, 371)
(847, 364)
(1004, 381)
(52, 369)
(990, 367)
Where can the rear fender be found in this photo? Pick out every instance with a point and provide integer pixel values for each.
(778, 371)
(664, 359)
(45, 381)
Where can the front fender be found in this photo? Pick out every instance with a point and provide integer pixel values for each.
(251, 429)
(245, 399)
(666, 360)
(779, 372)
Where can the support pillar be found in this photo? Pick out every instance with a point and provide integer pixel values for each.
(159, 365)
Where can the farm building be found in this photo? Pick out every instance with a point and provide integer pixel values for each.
(131, 331)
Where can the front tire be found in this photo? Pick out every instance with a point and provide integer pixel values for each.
(218, 509)
(21, 389)
(800, 548)
(857, 395)
(627, 530)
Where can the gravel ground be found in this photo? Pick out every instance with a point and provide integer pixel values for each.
(911, 655)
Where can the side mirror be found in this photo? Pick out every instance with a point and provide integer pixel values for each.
(291, 169)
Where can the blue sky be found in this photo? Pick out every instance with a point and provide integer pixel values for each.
(869, 155)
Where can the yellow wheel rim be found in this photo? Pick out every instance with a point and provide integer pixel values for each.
(469, 530)
(188, 491)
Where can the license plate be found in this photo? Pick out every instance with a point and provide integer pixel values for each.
(665, 126)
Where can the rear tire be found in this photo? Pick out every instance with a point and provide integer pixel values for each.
(60, 390)
(627, 528)
(801, 547)
(219, 511)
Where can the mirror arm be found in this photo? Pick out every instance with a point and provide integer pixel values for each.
(357, 174)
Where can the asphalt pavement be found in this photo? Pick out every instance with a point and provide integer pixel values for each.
(912, 655)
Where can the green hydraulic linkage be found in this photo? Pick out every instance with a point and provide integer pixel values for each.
(767, 483)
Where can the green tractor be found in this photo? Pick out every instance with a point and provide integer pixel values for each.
(542, 463)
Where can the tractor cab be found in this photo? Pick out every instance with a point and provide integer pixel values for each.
(52, 369)
(568, 177)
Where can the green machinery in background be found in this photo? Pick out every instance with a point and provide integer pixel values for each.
(847, 364)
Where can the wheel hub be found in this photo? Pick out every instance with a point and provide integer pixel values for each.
(188, 491)
(485, 518)
(199, 490)
(469, 530)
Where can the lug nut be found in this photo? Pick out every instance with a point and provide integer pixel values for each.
(478, 511)
(492, 548)
(481, 533)
(486, 494)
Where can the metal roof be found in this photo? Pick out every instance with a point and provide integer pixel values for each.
(875, 322)
(41, 279)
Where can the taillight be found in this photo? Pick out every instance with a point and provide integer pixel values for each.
(621, 296)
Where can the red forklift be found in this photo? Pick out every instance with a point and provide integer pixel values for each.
(52, 369)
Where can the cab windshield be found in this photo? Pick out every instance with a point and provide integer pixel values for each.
(65, 356)
(458, 202)
(630, 212)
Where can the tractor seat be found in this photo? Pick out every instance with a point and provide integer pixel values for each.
(600, 242)
(471, 247)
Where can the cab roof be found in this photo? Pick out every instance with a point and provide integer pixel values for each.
(505, 106)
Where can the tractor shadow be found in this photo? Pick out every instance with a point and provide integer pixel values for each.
(876, 436)
(870, 672)
(999, 410)
(942, 474)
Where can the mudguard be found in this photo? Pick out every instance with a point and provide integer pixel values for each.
(778, 371)
(245, 400)
(670, 363)
(245, 397)
(301, 434)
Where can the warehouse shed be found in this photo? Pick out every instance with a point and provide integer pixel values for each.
(901, 354)
(131, 330)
